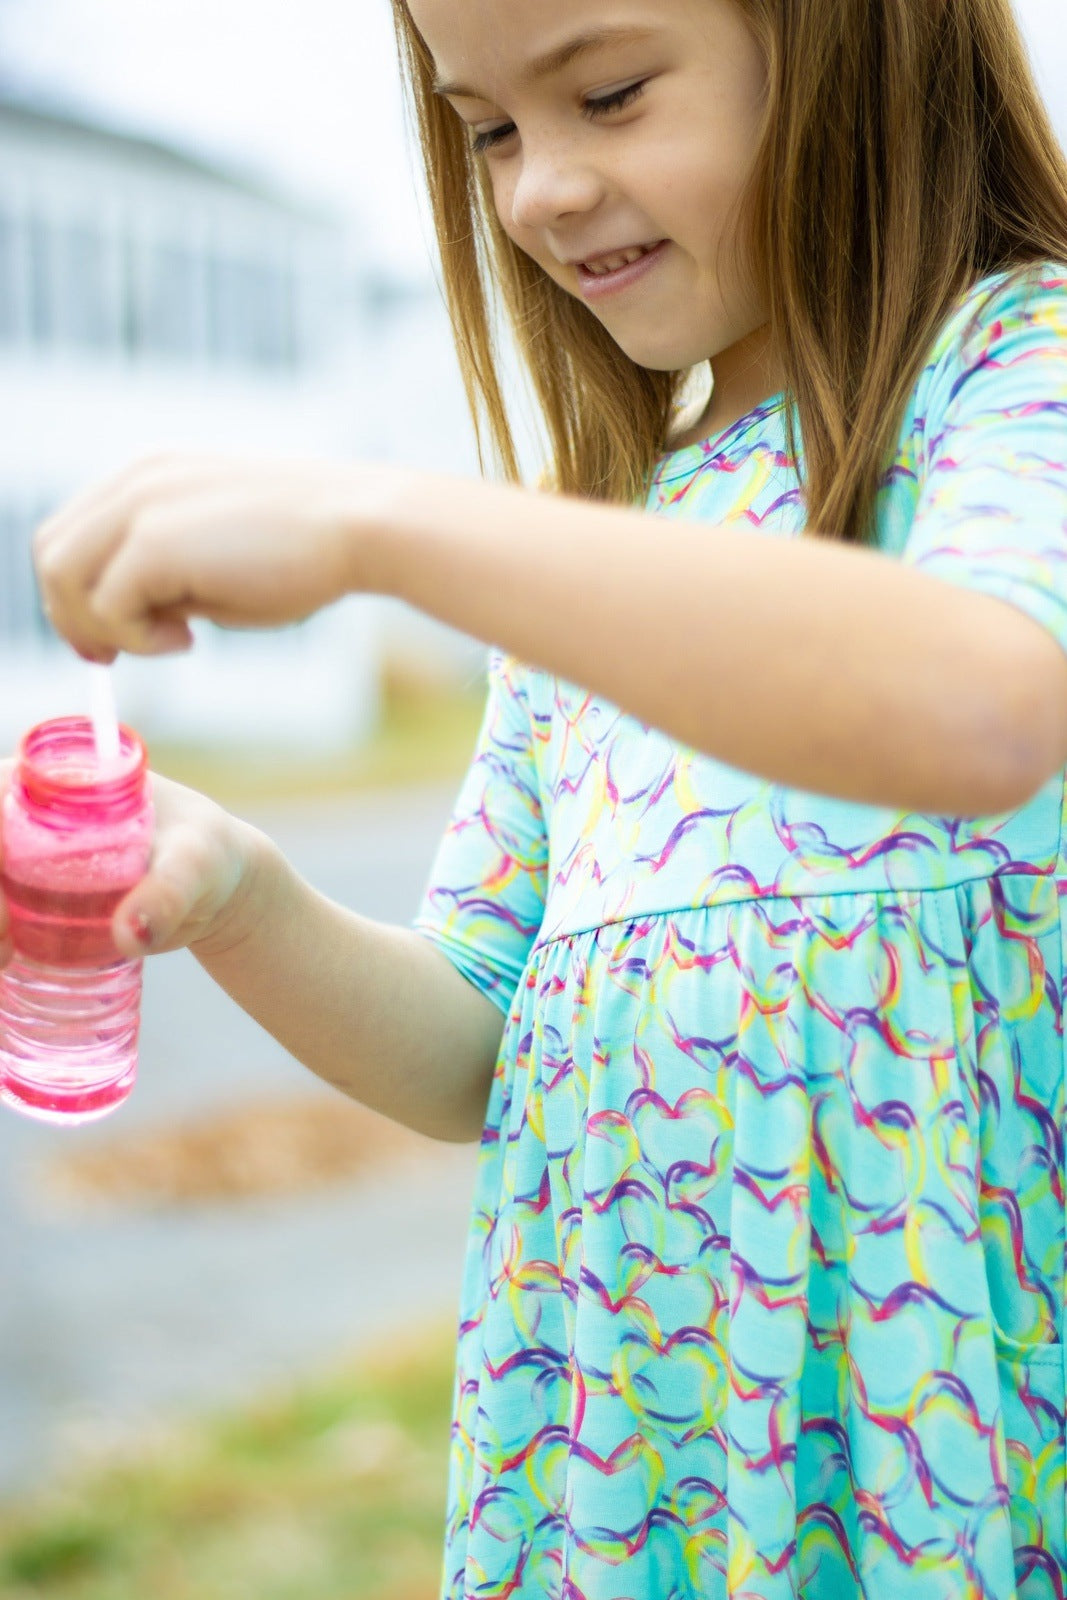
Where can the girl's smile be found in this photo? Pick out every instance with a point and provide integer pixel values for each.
(611, 274)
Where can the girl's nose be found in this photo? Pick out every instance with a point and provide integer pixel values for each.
(553, 183)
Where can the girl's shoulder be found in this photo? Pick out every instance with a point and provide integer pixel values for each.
(1031, 298)
(999, 359)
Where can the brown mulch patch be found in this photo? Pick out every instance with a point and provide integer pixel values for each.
(282, 1148)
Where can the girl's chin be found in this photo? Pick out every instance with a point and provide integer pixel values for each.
(650, 341)
(656, 355)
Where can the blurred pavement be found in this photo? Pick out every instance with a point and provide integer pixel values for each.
(113, 1322)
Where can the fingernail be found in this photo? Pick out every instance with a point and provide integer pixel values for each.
(142, 929)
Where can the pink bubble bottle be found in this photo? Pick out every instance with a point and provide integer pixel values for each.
(76, 837)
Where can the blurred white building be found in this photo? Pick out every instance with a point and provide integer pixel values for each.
(151, 300)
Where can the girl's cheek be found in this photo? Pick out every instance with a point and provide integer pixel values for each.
(503, 200)
(503, 182)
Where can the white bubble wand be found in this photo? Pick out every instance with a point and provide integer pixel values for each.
(104, 715)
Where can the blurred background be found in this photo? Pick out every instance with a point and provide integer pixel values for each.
(226, 1313)
(210, 238)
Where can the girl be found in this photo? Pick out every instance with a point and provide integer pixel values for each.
(743, 953)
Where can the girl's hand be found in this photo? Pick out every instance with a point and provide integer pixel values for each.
(245, 543)
(199, 879)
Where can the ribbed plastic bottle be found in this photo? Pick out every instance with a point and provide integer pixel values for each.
(75, 836)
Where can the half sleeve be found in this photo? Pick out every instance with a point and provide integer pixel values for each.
(485, 901)
(992, 512)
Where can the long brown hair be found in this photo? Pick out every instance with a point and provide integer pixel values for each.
(905, 154)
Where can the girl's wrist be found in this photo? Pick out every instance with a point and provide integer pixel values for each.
(398, 515)
(372, 512)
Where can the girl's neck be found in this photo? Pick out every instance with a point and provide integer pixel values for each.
(744, 377)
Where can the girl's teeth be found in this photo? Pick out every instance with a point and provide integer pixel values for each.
(625, 258)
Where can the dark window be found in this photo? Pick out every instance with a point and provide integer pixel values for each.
(172, 302)
(86, 317)
(10, 245)
(42, 281)
(21, 615)
(251, 313)
(132, 299)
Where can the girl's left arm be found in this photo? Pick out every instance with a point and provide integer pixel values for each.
(826, 667)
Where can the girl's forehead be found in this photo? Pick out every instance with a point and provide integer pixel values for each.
(472, 40)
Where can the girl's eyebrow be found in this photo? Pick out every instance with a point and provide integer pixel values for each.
(562, 56)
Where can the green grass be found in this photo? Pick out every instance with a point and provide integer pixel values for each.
(332, 1491)
(424, 735)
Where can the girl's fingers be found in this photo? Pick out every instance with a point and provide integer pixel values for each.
(63, 577)
(74, 548)
(154, 915)
(143, 598)
(244, 543)
(238, 554)
(107, 502)
(198, 865)
(71, 546)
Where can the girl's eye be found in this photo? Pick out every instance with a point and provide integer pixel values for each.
(601, 106)
(617, 100)
(481, 142)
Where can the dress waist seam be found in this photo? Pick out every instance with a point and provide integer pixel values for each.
(542, 942)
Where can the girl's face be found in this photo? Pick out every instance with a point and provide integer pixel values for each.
(618, 136)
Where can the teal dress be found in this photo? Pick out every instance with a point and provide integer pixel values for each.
(764, 1292)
